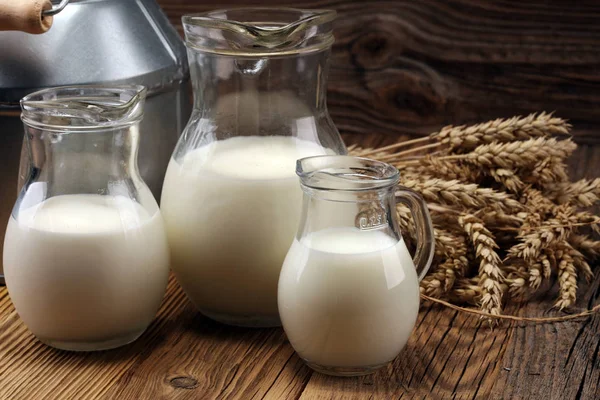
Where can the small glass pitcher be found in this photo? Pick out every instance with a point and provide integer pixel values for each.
(348, 290)
(230, 199)
(85, 253)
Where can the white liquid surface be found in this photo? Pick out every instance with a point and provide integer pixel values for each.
(231, 210)
(348, 298)
(86, 268)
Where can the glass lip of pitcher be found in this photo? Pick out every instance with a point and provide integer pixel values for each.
(84, 107)
(345, 173)
(259, 31)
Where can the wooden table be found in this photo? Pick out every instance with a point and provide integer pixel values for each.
(184, 355)
(397, 67)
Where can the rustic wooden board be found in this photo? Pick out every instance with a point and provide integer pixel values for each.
(412, 66)
(184, 355)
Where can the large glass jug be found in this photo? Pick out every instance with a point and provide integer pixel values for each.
(231, 199)
(85, 253)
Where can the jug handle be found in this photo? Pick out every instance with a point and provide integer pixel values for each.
(423, 226)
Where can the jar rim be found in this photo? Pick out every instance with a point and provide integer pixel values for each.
(259, 31)
(84, 107)
(346, 173)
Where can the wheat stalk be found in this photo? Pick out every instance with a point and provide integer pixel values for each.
(501, 130)
(567, 279)
(536, 201)
(455, 193)
(583, 193)
(523, 155)
(536, 274)
(445, 243)
(508, 178)
(545, 235)
(446, 170)
(546, 173)
(517, 282)
(514, 155)
(579, 262)
(495, 218)
(370, 152)
(490, 274)
(452, 248)
(466, 290)
(438, 283)
(586, 245)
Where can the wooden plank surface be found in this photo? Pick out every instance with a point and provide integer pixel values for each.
(184, 355)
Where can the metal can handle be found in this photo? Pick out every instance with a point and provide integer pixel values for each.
(56, 9)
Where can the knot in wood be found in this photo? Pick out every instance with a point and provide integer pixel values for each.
(375, 50)
(184, 382)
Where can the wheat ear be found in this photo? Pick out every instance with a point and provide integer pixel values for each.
(466, 290)
(501, 130)
(567, 279)
(508, 178)
(447, 170)
(490, 274)
(583, 193)
(464, 195)
(586, 245)
(546, 234)
(515, 155)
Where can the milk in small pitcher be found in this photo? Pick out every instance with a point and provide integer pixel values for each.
(348, 298)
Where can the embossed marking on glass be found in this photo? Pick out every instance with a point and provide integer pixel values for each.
(348, 290)
(231, 201)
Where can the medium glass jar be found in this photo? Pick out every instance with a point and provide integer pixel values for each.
(231, 200)
(85, 253)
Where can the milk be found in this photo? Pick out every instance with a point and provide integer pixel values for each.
(348, 298)
(231, 210)
(86, 272)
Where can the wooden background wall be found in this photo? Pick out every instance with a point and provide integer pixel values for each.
(410, 67)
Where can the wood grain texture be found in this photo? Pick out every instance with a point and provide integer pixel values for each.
(184, 355)
(413, 66)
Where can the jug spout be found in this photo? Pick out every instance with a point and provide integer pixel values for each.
(288, 30)
(84, 107)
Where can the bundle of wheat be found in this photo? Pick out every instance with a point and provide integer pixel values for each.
(508, 222)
